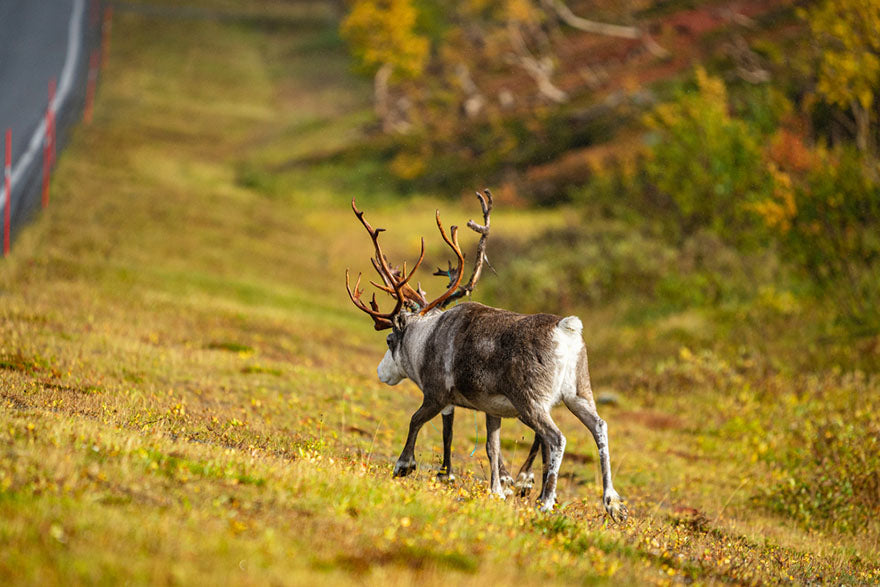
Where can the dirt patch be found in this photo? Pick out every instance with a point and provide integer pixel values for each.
(651, 420)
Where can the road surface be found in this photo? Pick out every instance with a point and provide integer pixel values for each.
(39, 40)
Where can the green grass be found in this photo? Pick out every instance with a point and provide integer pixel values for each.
(189, 396)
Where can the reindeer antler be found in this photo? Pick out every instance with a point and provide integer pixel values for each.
(380, 264)
(483, 231)
(380, 321)
(453, 243)
(396, 281)
(455, 277)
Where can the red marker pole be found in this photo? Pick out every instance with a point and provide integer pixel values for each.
(46, 173)
(90, 87)
(7, 182)
(49, 145)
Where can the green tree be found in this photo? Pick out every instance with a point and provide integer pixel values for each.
(708, 163)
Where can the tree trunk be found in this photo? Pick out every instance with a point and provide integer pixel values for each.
(864, 140)
(380, 95)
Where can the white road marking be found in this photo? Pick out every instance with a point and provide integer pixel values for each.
(65, 85)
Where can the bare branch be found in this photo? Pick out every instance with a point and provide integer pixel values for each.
(605, 29)
(539, 70)
(591, 26)
(748, 63)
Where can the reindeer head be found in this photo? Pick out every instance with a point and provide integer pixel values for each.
(411, 303)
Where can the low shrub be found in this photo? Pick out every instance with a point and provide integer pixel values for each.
(828, 473)
(562, 270)
(597, 263)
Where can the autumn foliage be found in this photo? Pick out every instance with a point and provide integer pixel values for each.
(771, 149)
(384, 32)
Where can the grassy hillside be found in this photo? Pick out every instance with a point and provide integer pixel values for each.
(188, 394)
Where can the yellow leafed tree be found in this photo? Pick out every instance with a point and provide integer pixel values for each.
(848, 32)
(384, 39)
(384, 32)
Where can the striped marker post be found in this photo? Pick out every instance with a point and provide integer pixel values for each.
(49, 145)
(7, 183)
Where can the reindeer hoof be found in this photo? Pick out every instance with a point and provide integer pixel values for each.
(615, 507)
(506, 486)
(503, 487)
(524, 484)
(445, 477)
(403, 468)
(545, 507)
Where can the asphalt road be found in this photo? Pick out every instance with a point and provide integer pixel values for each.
(39, 40)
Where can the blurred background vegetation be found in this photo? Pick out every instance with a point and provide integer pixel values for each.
(732, 147)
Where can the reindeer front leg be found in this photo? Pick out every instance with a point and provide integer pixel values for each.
(445, 473)
(406, 463)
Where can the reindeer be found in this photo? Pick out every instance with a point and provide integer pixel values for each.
(415, 300)
(504, 364)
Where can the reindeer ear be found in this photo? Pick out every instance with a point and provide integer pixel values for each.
(398, 322)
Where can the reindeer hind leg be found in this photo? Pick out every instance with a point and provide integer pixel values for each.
(525, 479)
(538, 419)
(583, 406)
